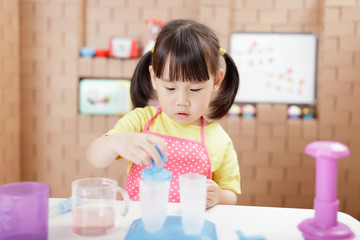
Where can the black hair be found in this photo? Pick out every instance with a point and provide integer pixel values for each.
(193, 52)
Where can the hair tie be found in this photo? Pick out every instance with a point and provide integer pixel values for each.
(152, 49)
(222, 51)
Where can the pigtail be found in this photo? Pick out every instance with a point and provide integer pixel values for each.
(141, 90)
(227, 91)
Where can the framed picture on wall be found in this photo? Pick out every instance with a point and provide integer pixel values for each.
(104, 96)
(275, 67)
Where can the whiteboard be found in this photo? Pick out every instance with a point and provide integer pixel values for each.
(275, 67)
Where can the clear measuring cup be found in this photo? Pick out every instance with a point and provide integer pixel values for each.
(93, 206)
(154, 195)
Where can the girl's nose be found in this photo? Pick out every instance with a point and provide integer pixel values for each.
(182, 98)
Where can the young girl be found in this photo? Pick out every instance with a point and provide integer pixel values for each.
(183, 74)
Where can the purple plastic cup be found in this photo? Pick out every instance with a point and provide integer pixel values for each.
(24, 211)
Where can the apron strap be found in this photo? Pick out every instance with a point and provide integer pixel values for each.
(203, 130)
(204, 145)
(147, 125)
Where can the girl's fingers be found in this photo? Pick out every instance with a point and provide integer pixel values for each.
(162, 146)
(154, 154)
(156, 141)
(146, 159)
(139, 158)
(159, 142)
(210, 185)
(209, 202)
(141, 149)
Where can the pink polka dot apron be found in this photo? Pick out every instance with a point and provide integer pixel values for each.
(184, 156)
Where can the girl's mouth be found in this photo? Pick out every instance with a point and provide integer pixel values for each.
(182, 115)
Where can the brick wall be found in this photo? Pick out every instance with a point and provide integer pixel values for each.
(9, 92)
(339, 96)
(275, 171)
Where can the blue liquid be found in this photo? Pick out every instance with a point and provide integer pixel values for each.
(25, 236)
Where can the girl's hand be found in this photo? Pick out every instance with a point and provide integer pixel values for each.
(138, 148)
(213, 193)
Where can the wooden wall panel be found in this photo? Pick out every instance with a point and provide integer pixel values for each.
(10, 142)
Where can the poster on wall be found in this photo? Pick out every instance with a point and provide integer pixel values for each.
(275, 67)
(104, 96)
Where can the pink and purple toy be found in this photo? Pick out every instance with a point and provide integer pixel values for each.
(324, 226)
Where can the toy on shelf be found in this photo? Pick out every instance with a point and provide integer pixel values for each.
(119, 47)
(294, 112)
(102, 53)
(234, 111)
(154, 26)
(124, 47)
(324, 226)
(248, 111)
(87, 52)
(308, 113)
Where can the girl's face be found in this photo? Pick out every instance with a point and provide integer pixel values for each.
(184, 102)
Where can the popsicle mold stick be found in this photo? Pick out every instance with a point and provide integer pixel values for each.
(324, 226)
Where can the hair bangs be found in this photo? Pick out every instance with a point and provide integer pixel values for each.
(185, 56)
(188, 65)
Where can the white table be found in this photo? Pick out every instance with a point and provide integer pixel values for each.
(270, 222)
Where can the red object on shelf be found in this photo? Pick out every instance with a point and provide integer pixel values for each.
(135, 51)
(102, 53)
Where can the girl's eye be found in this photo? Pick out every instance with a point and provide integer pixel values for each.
(195, 90)
(170, 89)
